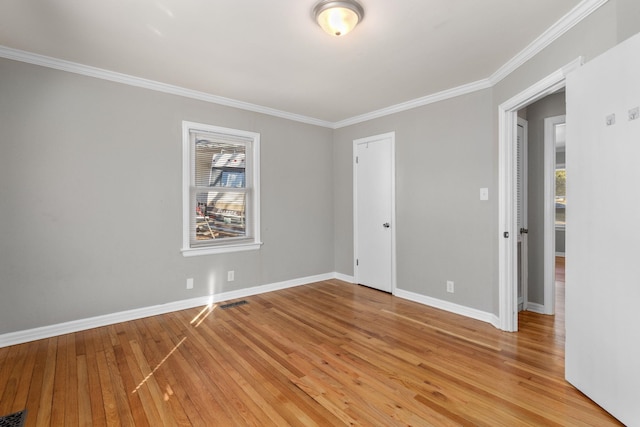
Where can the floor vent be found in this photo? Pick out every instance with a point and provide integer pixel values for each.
(231, 305)
(14, 420)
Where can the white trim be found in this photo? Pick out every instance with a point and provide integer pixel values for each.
(536, 308)
(524, 238)
(99, 73)
(571, 19)
(549, 247)
(448, 306)
(561, 254)
(507, 246)
(415, 103)
(507, 118)
(567, 22)
(20, 337)
(345, 278)
(356, 142)
(222, 249)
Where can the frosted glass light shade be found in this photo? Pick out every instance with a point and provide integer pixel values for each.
(338, 17)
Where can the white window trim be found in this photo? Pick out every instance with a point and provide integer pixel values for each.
(220, 247)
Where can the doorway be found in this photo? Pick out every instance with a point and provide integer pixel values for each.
(507, 205)
(536, 214)
(374, 211)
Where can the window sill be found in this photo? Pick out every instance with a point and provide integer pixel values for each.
(222, 249)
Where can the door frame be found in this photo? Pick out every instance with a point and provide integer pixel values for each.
(507, 206)
(392, 137)
(550, 211)
(524, 238)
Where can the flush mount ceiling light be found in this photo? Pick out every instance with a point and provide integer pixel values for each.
(338, 17)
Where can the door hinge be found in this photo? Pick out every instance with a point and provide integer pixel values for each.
(356, 159)
(506, 234)
(357, 262)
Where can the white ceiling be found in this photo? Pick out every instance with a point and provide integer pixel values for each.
(272, 54)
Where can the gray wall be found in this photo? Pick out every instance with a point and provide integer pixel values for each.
(90, 178)
(549, 106)
(443, 158)
(91, 175)
(628, 14)
(445, 153)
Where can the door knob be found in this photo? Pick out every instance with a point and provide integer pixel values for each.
(386, 225)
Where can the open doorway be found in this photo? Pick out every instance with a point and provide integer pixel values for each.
(507, 248)
(545, 120)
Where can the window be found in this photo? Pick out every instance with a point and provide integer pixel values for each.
(560, 137)
(221, 196)
(561, 197)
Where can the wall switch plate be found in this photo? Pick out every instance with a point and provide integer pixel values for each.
(450, 288)
(231, 276)
(484, 194)
(190, 283)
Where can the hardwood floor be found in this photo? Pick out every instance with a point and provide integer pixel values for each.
(328, 353)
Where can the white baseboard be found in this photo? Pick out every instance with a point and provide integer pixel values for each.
(449, 306)
(560, 254)
(20, 337)
(536, 308)
(345, 278)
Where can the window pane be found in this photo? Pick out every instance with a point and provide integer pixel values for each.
(219, 215)
(561, 196)
(219, 164)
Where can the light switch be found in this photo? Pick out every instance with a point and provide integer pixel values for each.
(484, 194)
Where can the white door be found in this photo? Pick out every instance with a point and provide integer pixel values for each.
(602, 272)
(374, 227)
(521, 195)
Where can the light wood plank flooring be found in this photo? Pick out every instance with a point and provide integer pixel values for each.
(328, 353)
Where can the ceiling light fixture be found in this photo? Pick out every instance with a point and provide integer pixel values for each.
(338, 17)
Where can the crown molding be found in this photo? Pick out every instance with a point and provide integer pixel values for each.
(415, 103)
(567, 22)
(99, 73)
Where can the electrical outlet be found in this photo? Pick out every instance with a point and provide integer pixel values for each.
(190, 283)
(450, 286)
(484, 194)
(231, 276)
